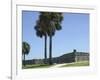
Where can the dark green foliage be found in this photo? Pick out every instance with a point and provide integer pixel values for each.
(47, 25)
(25, 48)
(41, 31)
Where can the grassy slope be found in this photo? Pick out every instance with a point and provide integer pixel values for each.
(36, 66)
(81, 63)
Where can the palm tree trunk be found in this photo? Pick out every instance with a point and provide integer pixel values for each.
(50, 50)
(45, 49)
(24, 59)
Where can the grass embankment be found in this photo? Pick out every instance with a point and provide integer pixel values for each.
(74, 64)
(36, 66)
(77, 64)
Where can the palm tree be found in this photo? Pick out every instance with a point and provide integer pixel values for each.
(40, 32)
(47, 25)
(25, 49)
(55, 20)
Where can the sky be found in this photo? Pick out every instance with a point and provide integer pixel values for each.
(74, 35)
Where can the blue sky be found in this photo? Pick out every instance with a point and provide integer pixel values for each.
(74, 34)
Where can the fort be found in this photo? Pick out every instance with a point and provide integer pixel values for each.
(66, 58)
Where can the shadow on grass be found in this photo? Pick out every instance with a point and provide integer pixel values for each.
(36, 66)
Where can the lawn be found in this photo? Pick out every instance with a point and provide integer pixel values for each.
(81, 63)
(73, 64)
(36, 66)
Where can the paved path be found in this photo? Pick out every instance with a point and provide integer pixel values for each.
(58, 65)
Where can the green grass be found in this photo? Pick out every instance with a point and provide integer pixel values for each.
(74, 64)
(36, 66)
